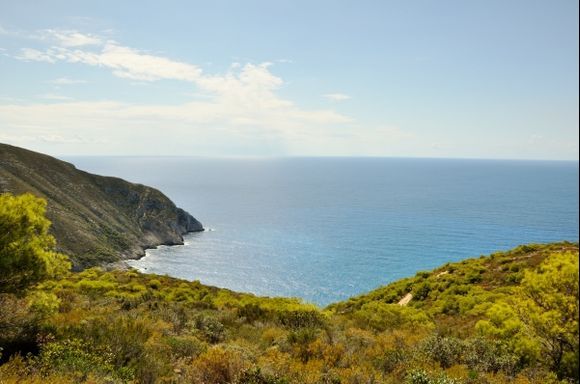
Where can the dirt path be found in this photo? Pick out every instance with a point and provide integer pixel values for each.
(405, 300)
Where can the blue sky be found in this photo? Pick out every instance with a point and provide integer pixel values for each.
(468, 79)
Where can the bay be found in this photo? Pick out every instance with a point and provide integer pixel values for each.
(325, 229)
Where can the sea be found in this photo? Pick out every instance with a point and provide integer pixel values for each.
(325, 229)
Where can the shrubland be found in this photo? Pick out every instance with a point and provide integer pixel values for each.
(511, 317)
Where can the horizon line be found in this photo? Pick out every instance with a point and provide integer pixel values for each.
(280, 157)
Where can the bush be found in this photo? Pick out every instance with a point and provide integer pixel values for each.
(444, 350)
(217, 366)
(77, 358)
(19, 327)
(422, 377)
(209, 328)
(380, 316)
(185, 346)
(489, 356)
(390, 359)
(255, 376)
(252, 312)
(421, 292)
(300, 318)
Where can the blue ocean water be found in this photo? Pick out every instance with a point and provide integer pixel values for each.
(325, 229)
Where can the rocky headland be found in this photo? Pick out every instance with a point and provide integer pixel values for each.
(96, 219)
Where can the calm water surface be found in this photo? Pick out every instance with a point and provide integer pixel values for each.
(328, 228)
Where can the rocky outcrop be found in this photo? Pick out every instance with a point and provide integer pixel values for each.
(95, 219)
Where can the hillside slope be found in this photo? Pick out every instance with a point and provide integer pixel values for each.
(96, 219)
(487, 320)
(458, 295)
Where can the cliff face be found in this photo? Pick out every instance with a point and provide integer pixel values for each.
(95, 219)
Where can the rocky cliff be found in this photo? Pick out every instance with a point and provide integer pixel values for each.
(96, 219)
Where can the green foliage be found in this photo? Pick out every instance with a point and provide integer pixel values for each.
(422, 377)
(541, 318)
(300, 318)
(210, 328)
(421, 291)
(185, 346)
(381, 317)
(550, 310)
(485, 355)
(76, 358)
(27, 253)
(101, 326)
(256, 376)
(444, 350)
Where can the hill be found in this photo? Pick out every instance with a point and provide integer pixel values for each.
(96, 219)
(101, 326)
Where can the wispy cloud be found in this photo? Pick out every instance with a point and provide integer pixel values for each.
(29, 54)
(66, 81)
(336, 96)
(8, 32)
(52, 96)
(69, 38)
(244, 95)
(49, 138)
(239, 108)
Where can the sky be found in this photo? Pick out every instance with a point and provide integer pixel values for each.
(454, 79)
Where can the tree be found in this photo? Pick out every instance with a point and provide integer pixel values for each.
(539, 321)
(27, 253)
(550, 310)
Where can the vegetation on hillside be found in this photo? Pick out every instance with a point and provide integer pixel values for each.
(96, 219)
(511, 317)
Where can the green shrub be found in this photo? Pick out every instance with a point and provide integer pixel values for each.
(185, 346)
(380, 316)
(76, 357)
(422, 377)
(256, 376)
(210, 329)
(300, 318)
(444, 350)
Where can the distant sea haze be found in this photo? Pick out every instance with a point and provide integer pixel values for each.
(325, 229)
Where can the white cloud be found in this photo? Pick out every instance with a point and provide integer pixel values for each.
(29, 54)
(61, 139)
(66, 81)
(535, 139)
(52, 96)
(68, 38)
(128, 63)
(8, 32)
(336, 96)
(204, 127)
(48, 138)
(239, 108)
(244, 95)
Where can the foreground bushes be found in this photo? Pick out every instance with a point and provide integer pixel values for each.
(116, 327)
